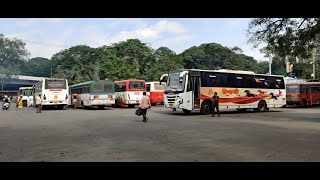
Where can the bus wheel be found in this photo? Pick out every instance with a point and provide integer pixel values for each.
(206, 107)
(153, 104)
(186, 111)
(262, 106)
(101, 107)
(304, 103)
(131, 105)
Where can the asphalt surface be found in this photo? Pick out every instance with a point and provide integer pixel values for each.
(117, 134)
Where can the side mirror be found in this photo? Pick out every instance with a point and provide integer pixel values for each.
(160, 81)
(181, 79)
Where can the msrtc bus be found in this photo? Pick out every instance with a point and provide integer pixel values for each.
(303, 93)
(156, 92)
(93, 93)
(53, 91)
(192, 89)
(27, 95)
(129, 92)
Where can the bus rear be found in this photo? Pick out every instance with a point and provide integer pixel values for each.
(102, 93)
(293, 93)
(129, 92)
(156, 92)
(55, 92)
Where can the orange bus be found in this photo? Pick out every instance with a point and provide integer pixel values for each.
(129, 92)
(156, 92)
(303, 93)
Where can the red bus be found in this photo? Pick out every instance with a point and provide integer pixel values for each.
(156, 92)
(129, 92)
(303, 93)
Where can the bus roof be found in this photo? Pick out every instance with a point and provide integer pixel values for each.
(228, 71)
(89, 82)
(140, 80)
(21, 88)
(298, 83)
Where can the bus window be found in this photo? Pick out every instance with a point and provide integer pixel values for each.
(108, 88)
(226, 80)
(238, 81)
(279, 83)
(136, 85)
(262, 82)
(157, 86)
(292, 88)
(120, 87)
(251, 82)
(98, 88)
(86, 90)
(210, 79)
(148, 87)
(55, 84)
(271, 82)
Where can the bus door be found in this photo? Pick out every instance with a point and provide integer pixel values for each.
(195, 81)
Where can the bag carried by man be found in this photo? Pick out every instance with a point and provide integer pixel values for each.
(139, 112)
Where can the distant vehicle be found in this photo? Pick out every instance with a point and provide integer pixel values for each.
(93, 93)
(156, 92)
(27, 95)
(54, 92)
(129, 92)
(192, 89)
(303, 93)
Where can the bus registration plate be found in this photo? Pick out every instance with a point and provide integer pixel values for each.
(136, 93)
(56, 102)
(170, 105)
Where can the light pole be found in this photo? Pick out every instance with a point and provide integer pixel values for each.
(270, 62)
(314, 65)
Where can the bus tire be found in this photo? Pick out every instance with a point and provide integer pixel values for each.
(101, 107)
(186, 111)
(262, 106)
(153, 104)
(206, 107)
(131, 105)
(304, 103)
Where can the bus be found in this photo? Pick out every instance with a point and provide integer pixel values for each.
(303, 93)
(54, 92)
(129, 92)
(192, 89)
(27, 95)
(93, 93)
(156, 92)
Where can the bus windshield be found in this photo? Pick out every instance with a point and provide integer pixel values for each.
(53, 84)
(292, 89)
(136, 85)
(157, 86)
(173, 82)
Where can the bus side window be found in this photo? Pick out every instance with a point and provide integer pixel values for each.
(238, 81)
(148, 87)
(271, 82)
(226, 80)
(251, 82)
(279, 83)
(210, 79)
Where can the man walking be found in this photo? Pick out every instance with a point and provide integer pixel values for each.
(215, 103)
(145, 105)
(39, 103)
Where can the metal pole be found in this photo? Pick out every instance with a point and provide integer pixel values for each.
(314, 67)
(270, 61)
(51, 72)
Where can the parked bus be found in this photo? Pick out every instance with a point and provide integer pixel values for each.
(54, 92)
(192, 89)
(93, 93)
(129, 92)
(156, 92)
(303, 93)
(27, 95)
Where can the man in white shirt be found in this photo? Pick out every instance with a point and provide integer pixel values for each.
(39, 103)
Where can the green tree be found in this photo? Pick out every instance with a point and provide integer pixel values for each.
(37, 66)
(13, 55)
(165, 61)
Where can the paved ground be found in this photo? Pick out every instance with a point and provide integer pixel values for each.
(283, 134)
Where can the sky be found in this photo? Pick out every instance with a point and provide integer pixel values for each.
(47, 36)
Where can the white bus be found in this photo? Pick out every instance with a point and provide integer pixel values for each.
(27, 95)
(93, 93)
(54, 92)
(192, 89)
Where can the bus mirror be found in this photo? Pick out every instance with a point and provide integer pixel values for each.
(181, 79)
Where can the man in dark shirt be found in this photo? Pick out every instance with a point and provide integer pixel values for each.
(215, 103)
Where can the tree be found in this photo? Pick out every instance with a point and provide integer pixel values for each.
(12, 55)
(165, 61)
(37, 66)
(285, 36)
(237, 50)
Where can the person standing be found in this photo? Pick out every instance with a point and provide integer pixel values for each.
(145, 105)
(39, 103)
(20, 103)
(215, 104)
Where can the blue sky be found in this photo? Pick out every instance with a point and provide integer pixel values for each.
(47, 36)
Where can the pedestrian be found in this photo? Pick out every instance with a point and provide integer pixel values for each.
(74, 101)
(39, 103)
(144, 106)
(20, 103)
(215, 103)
